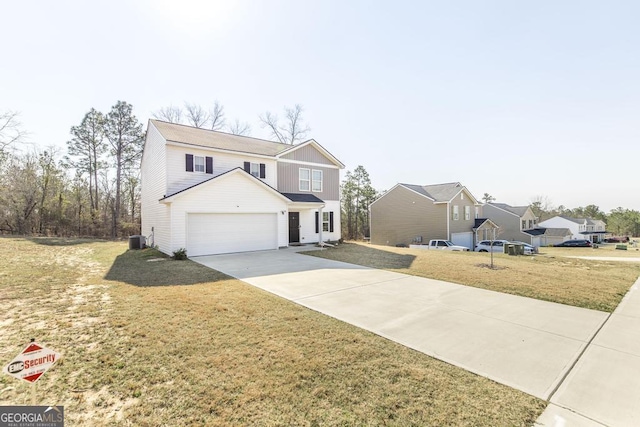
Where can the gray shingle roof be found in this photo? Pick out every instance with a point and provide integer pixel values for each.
(516, 210)
(307, 198)
(437, 192)
(220, 140)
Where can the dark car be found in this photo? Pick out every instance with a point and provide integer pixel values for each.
(574, 244)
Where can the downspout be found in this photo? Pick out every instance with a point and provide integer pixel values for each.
(320, 222)
(448, 219)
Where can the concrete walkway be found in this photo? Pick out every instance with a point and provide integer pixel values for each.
(528, 344)
(604, 386)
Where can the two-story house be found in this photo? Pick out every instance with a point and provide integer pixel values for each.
(211, 192)
(580, 228)
(512, 220)
(410, 213)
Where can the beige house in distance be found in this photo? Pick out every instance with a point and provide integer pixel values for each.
(414, 214)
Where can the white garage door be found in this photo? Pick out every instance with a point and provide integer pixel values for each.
(209, 234)
(462, 239)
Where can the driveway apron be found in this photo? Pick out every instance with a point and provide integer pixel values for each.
(524, 343)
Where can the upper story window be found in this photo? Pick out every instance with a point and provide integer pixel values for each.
(524, 224)
(203, 164)
(305, 179)
(467, 213)
(477, 212)
(316, 181)
(530, 223)
(198, 163)
(456, 214)
(259, 170)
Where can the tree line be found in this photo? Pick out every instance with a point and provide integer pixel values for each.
(92, 188)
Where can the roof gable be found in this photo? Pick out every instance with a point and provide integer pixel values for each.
(235, 171)
(310, 155)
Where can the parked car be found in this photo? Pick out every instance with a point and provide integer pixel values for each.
(528, 249)
(574, 244)
(486, 246)
(445, 245)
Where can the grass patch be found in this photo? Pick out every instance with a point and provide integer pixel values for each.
(598, 285)
(154, 343)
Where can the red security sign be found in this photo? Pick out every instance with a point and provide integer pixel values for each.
(32, 362)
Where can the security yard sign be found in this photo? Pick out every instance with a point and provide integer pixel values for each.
(32, 362)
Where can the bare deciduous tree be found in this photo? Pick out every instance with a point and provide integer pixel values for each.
(169, 114)
(294, 130)
(10, 129)
(239, 128)
(196, 115)
(216, 116)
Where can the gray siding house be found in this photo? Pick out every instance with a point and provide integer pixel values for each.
(512, 220)
(409, 214)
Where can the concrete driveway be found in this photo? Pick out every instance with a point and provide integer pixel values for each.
(527, 344)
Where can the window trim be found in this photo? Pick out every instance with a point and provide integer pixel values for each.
(313, 181)
(467, 213)
(308, 180)
(455, 215)
(196, 165)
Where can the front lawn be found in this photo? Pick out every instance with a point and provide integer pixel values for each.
(149, 341)
(550, 276)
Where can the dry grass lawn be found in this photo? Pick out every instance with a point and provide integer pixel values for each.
(150, 342)
(550, 276)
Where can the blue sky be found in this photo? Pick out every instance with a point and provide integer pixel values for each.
(517, 99)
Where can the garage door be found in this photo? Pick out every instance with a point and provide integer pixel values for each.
(209, 234)
(463, 239)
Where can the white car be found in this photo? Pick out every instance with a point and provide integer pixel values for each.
(445, 245)
(486, 246)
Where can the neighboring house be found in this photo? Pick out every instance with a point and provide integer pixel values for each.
(409, 214)
(212, 192)
(541, 236)
(512, 220)
(581, 228)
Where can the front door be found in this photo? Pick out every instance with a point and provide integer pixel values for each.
(294, 227)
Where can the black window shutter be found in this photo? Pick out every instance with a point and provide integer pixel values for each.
(189, 158)
(331, 222)
(317, 222)
(247, 167)
(263, 170)
(209, 161)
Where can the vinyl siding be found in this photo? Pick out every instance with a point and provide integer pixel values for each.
(230, 194)
(509, 224)
(401, 215)
(309, 154)
(288, 180)
(558, 222)
(462, 225)
(153, 184)
(308, 223)
(180, 179)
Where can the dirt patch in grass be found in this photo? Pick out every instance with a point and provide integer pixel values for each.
(598, 285)
(178, 344)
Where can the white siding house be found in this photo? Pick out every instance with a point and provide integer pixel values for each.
(580, 228)
(211, 192)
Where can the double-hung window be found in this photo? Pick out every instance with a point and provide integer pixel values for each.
(198, 163)
(316, 181)
(467, 213)
(325, 221)
(456, 214)
(305, 179)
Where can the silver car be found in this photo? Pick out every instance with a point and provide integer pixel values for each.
(486, 246)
